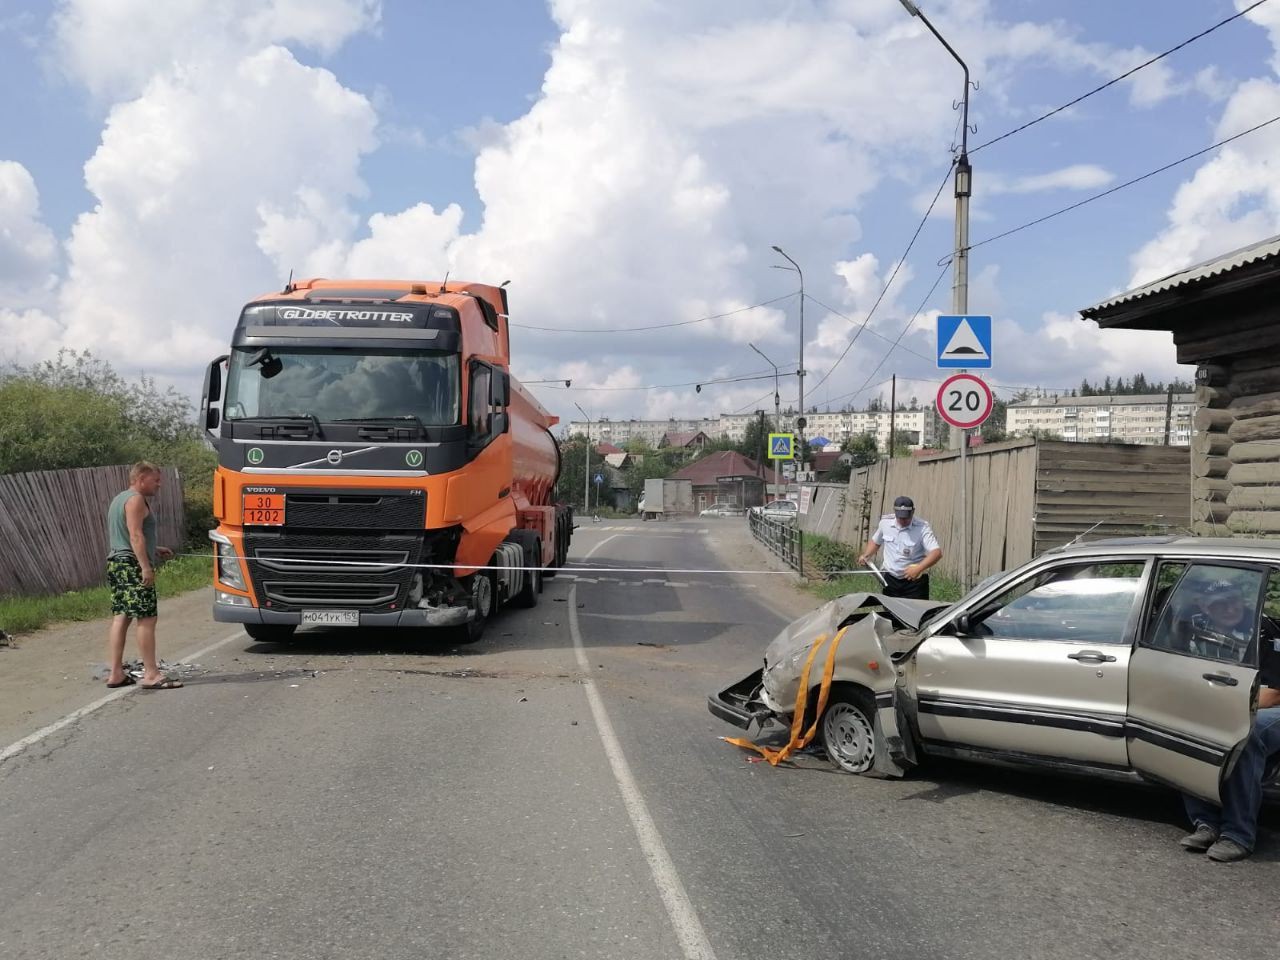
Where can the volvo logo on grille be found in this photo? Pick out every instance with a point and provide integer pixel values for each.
(334, 457)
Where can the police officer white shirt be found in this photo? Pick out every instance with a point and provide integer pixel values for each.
(904, 546)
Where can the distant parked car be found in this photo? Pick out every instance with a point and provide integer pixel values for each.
(722, 510)
(780, 510)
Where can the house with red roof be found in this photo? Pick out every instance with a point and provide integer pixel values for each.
(725, 476)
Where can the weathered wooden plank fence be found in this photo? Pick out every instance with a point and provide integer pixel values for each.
(53, 526)
(1025, 497)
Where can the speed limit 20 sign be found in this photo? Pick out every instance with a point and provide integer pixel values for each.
(965, 401)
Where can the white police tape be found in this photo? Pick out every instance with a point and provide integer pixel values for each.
(347, 564)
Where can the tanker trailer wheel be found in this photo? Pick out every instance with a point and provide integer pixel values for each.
(531, 550)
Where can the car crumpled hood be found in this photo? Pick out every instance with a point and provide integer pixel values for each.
(867, 638)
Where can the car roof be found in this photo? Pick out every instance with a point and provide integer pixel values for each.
(1240, 548)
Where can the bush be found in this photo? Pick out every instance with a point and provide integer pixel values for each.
(76, 411)
(823, 553)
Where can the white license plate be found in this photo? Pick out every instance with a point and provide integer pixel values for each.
(332, 618)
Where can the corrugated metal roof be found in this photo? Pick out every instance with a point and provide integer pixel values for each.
(1263, 250)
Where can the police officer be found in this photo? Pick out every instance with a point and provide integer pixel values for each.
(910, 548)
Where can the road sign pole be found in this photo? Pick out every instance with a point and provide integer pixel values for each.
(964, 511)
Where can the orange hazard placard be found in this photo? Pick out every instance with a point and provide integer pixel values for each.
(264, 509)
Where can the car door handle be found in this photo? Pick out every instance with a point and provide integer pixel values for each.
(1091, 656)
(1224, 679)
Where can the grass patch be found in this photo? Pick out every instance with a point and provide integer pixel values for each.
(25, 614)
(822, 554)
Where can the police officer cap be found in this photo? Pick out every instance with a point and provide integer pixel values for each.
(904, 507)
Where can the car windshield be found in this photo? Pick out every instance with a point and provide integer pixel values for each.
(343, 385)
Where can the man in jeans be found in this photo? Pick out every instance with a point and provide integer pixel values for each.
(132, 556)
(1228, 833)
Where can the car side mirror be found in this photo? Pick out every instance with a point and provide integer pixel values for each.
(963, 625)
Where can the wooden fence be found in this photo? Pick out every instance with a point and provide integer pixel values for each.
(1027, 496)
(53, 535)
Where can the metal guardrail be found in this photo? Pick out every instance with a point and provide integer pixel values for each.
(782, 537)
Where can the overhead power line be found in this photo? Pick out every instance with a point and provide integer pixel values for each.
(655, 326)
(888, 283)
(1122, 186)
(910, 323)
(874, 333)
(710, 381)
(1124, 76)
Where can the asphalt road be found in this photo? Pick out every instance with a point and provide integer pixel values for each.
(559, 790)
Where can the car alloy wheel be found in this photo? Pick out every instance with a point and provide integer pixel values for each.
(848, 737)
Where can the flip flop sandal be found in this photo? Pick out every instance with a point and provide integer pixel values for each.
(128, 681)
(168, 683)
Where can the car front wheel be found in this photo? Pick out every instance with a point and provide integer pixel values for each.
(849, 736)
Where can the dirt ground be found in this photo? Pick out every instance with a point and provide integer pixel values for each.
(47, 674)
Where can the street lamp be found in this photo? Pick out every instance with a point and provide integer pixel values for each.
(963, 190)
(799, 373)
(960, 267)
(777, 408)
(586, 479)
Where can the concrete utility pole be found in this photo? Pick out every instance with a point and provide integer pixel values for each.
(800, 420)
(777, 409)
(586, 479)
(960, 274)
(963, 191)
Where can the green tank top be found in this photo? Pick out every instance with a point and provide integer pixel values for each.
(118, 543)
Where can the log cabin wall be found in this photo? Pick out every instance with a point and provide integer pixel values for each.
(1224, 320)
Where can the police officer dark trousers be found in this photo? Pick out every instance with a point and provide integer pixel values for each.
(910, 549)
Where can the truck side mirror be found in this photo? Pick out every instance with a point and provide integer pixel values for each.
(498, 423)
(501, 389)
(211, 399)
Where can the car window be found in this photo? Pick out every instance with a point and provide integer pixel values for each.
(1211, 613)
(1085, 603)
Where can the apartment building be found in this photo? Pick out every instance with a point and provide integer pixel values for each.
(1122, 419)
(835, 426)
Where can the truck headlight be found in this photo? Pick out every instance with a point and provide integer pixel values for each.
(228, 565)
(229, 570)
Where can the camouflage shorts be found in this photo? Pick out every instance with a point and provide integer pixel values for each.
(128, 594)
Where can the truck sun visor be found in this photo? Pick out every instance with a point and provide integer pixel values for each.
(403, 316)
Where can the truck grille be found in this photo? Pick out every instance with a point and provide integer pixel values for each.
(333, 569)
(328, 593)
(363, 511)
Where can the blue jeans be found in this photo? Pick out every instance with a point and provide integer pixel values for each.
(1237, 818)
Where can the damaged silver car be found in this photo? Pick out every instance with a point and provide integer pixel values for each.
(1102, 658)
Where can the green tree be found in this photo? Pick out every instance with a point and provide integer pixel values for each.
(756, 439)
(864, 449)
(76, 411)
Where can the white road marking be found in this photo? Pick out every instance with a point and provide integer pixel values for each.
(32, 739)
(684, 918)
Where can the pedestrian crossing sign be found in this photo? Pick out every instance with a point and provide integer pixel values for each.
(782, 446)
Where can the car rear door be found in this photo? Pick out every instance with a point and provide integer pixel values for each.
(1193, 682)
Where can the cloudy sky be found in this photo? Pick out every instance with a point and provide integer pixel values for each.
(624, 163)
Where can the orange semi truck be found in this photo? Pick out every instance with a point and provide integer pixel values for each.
(378, 465)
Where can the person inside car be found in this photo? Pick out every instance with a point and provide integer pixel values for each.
(1228, 833)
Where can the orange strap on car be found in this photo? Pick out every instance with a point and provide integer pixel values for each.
(799, 740)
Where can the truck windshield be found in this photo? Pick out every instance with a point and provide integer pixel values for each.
(343, 385)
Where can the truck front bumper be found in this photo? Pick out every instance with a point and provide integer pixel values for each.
(430, 617)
